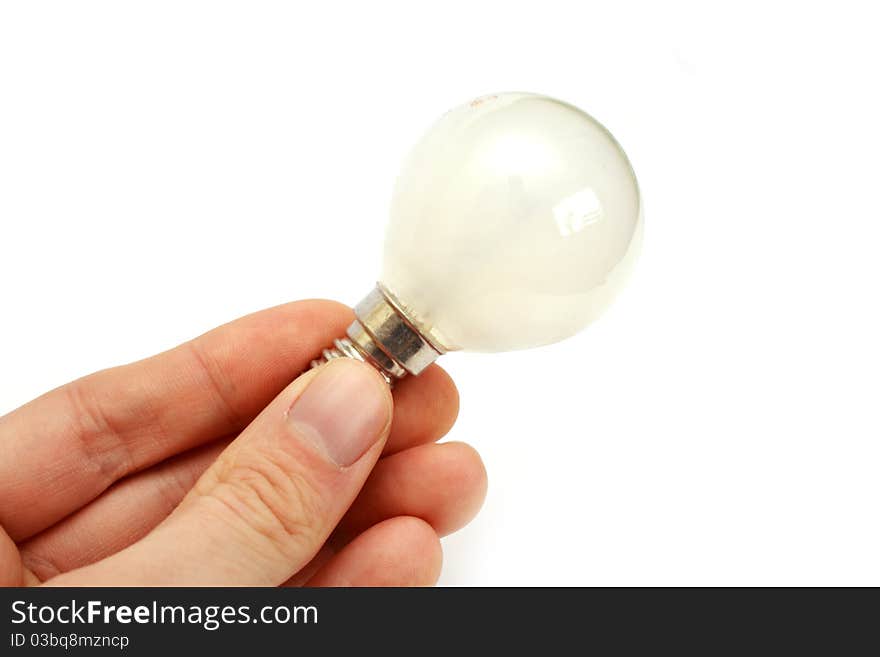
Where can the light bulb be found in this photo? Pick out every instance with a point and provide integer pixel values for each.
(514, 222)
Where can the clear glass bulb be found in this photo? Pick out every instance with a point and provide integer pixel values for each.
(514, 222)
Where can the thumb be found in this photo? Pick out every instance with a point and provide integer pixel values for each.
(269, 502)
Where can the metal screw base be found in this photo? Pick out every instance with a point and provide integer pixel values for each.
(383, 336)
(345, 348)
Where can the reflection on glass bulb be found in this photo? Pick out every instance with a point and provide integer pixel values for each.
(576, 212)
(514, 222)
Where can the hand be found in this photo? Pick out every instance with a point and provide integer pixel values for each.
(202, 466)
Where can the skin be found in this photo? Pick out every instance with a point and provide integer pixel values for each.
(181, 470)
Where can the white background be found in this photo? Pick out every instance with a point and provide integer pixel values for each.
(168, 166)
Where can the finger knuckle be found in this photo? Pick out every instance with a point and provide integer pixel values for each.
(271, 498)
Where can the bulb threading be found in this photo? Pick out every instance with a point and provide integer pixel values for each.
(385, 338)
(345, 348)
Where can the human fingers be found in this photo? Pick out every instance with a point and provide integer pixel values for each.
(425, 408)
(122, 515)
(443, 484)
(64, 449)
(266, 506)
(401, 551)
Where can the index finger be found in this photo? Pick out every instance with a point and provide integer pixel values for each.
(66, 447)
(62, 450)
